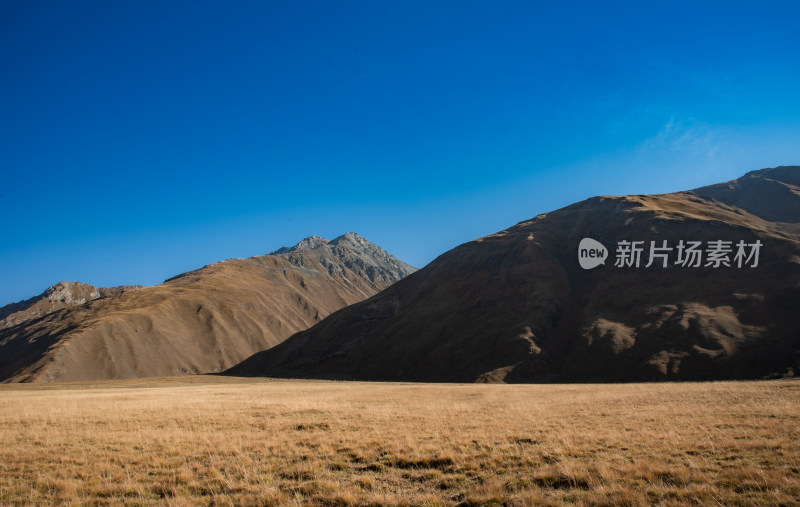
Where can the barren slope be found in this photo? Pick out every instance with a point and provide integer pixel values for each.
(202, 321)
(516, 306)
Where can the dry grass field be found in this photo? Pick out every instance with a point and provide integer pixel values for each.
(210, 440)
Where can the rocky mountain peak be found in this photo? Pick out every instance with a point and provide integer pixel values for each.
(71, 293)
(56, 297)
(305, 244)
(351, 251)
(350, 237)
(353, 241)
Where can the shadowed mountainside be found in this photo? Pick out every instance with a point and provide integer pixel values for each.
(516, 306)
(201, 321)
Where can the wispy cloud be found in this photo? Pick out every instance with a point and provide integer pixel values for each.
(686, 136)
(684, 153)
(725, 146)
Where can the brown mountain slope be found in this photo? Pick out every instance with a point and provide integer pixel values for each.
(516, 306)
(202, 321)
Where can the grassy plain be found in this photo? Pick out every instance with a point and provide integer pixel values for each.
(223, 441)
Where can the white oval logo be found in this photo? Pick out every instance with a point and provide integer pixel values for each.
(591, 253)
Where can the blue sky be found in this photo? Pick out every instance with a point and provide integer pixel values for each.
(142, 139)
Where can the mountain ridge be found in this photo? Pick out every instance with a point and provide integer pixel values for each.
(515, 306)
(200, 321)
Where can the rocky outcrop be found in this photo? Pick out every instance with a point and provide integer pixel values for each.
(56, 297)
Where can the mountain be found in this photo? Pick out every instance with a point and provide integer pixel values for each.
(517, 306)
(57, 297)
(201, 321)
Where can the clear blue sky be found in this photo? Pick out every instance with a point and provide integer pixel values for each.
(142, 139)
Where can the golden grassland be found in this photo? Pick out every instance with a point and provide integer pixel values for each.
(214, 440)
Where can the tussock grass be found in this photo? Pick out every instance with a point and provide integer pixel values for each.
(208, 440)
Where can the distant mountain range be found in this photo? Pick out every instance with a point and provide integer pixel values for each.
(203, 321)
(695, 285)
